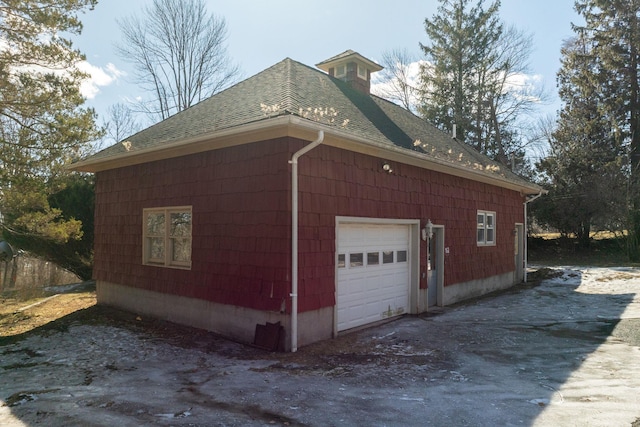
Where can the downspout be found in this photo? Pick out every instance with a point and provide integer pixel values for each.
(294, 237)
(526, 227)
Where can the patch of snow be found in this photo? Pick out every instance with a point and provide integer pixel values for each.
(542, 356)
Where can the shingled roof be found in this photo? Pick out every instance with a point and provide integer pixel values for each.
(292, 89)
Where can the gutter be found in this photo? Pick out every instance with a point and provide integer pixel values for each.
(526, 251)
(359, 144)
(167, 149)
(294, 237)
(293, 126)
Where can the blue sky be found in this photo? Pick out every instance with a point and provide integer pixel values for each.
(262, 33)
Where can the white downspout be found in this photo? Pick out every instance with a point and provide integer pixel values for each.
(526, 251)
(294, 237)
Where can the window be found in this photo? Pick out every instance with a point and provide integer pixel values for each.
(486, 228)
(356, 260)
(373, 258)
(341, 70)
(362, 72)
(166, 237)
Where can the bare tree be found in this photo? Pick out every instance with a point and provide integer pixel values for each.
(512, 96)
(397, 81)
(121, 122)
(540, 135)
(179, 54)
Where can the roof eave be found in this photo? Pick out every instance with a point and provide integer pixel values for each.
(354, 56)
(290, 125)
(341, 139)
(239, 135)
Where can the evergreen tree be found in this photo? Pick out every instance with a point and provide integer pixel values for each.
(467, 79)
(583, 171)
(613, 29)
(74, 205)
(453, 79)
(42, 122)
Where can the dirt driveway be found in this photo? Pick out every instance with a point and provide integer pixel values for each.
(565, 352)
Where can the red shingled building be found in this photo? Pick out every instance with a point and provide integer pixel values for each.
(198, 217)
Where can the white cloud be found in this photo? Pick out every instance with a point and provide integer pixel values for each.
(98, 77)
(526, 87)
(89, 88)
(522, 86)
(519, 80)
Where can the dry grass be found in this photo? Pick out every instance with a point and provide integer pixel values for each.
(597, 235)
(620, 275)
(18, 316)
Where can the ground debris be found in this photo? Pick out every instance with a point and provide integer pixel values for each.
(23, 397)
(522, 355)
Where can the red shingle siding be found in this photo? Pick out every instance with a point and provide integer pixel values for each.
(355, 185)
(241, 232)
(241, 202)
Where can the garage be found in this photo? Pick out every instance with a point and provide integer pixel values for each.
(373, 273)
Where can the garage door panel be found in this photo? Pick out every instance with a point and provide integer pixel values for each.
(376, 286)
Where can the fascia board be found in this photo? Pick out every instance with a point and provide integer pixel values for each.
(257, 131)
(296, 127)
(340, 139)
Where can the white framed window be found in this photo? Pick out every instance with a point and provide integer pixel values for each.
(371, 258)
(362, 72)
(486, 235)
(341, 70)
(166, 237)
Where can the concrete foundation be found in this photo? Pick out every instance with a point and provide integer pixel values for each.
(239, 323)
(236, 323)
(475, 288)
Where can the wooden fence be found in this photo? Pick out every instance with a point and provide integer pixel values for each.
(29, 275)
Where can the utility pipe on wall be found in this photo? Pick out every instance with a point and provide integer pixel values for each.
(294, 237)
(526, 227)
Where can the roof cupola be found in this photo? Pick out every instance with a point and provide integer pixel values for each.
(352, 68)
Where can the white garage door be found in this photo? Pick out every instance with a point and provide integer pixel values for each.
(373, 273)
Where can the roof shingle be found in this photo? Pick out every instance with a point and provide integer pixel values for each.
(292, 88)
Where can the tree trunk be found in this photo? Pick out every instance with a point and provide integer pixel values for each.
(584, 238)
(634, 187)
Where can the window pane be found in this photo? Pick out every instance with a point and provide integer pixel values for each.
(490, 235)
(373, 258)
(156, 249)
(155, 224)
(401, 256)
(489, 220)
(181, 250)
(356, 260)
(341, 261)
(387, 257)
(480, 220)
(480, 235)
(180, 224)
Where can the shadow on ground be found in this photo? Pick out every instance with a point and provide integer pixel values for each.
(549, 354)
